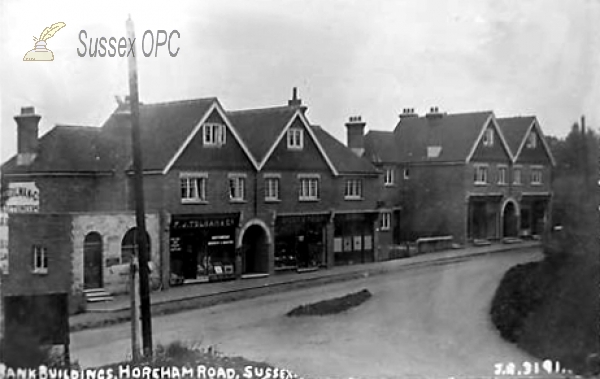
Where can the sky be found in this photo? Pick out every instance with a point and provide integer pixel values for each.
(347, 58)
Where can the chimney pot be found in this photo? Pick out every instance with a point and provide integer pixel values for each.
(355, 134)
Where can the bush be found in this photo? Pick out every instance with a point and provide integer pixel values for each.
(332, 306)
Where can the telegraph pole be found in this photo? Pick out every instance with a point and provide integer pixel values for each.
(138, 185)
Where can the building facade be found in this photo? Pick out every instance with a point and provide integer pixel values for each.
(228, 194)
(458, 175)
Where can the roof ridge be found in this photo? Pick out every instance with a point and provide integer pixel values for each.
(211, 98)
(248, 110)
(67, 126)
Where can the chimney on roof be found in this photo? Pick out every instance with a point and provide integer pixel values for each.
(27, 135)
(434, 112)
(355, 135)
(407, 113)
(296, 102)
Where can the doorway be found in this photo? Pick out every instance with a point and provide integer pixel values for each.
(92, 261)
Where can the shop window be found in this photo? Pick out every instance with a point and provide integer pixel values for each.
(488, 137)
(295, 138)
(517, 176)
(129, 245)
(481, 174)
(214, 134)
(40, 260)
(386, 220)
(353, 190)
(536, 176)
(193, 187)
(389, 176)
(309, 189)
(532, 140)
(237, 187)
(502, 175)
(271, 189)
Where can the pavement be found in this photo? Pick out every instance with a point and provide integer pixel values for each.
(201, 295)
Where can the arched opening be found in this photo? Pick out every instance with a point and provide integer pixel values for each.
(255, 250)
(92, 261)
(509, 216)
(129, 245)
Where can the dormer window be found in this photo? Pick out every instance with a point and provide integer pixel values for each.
(214, 134)
(488, 137)
(295, 138)
(531, 140)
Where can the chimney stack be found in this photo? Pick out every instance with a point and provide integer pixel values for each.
(407, 113)
(296, 102)
(355, 134)
(434, 112)
(27, 135)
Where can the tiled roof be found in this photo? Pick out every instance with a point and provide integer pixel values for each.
(259, 128)
(163, 128)
(514, 130)
(343, 159)
(456, 134)
(66, 149)
(381, 146)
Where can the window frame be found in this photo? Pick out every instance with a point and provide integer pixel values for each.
(269, 196)
(386, 221)
(217, 134)
(485, 170)
(389, 178)
(295, 138)
(519, 170)
(488, 137)
(502, 179)
(532, 140)
(533, 176)
(353, 189)
(239, 187)
(307, 195)
(201, 180)
(40, 259)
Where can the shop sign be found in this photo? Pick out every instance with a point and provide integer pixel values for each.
(21, 197)
(203, 223)
(220, 240)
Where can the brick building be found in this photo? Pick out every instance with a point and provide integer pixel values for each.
(228, 193)
(458, 175)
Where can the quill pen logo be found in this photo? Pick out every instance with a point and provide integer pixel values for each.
(40, 52)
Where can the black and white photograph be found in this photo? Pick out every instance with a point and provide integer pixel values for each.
(276, 189)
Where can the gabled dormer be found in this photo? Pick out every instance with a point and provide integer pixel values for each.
(490, 145)
(526, 140)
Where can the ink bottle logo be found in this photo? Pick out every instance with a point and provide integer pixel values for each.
(40, 52)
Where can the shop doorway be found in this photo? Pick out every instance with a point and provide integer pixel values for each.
(255, 250)
(92, 261)
(509, 216)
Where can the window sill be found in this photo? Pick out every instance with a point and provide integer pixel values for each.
(194, 202)
(307, 200)
(40, 271)
(482, 184)
(384, 229)
(237, 201)
(213, 144)
(353, 198)
(272, 200)
(389, 184)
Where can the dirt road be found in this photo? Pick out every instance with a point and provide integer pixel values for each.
(426, 322)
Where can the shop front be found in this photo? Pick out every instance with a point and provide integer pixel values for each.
(484, 216)
(353, 238)
(202, 247)
(300, 242)
(534, 210)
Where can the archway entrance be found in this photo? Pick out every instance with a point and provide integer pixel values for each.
(255, 250)
(92, 261)
(509, 217)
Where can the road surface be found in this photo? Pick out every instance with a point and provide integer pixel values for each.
(425, 322)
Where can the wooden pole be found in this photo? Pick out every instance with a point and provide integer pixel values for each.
(138, 184)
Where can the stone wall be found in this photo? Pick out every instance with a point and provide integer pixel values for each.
(112, 227)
